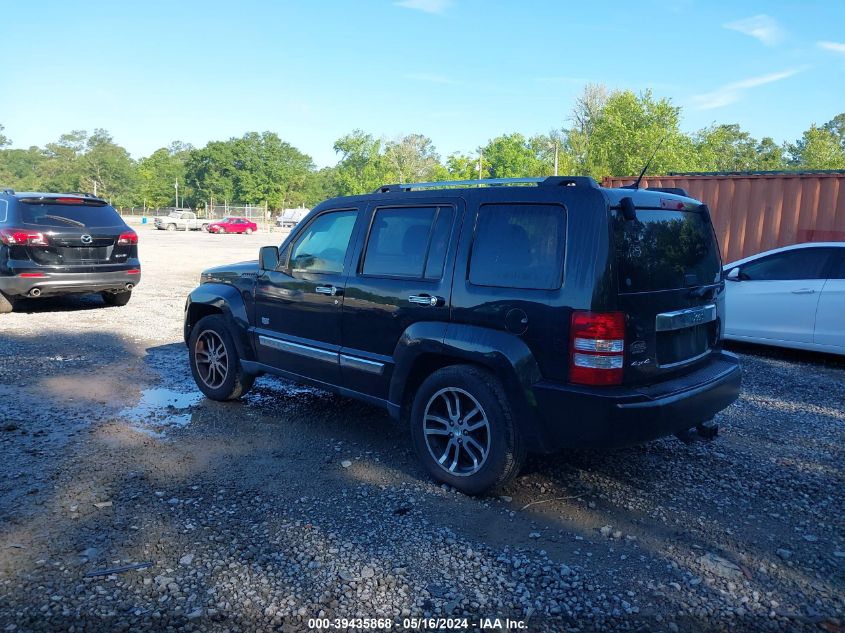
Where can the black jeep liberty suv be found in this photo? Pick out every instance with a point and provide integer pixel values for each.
(64, 243)
(494, 317)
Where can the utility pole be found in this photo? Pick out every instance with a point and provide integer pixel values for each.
(480, 162)
(95, 188)
(556, 150)
(176, 184)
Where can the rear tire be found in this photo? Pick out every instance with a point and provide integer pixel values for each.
(116, 298)
(205, 227)
(463, 429)
(215, 364)
(7, 304)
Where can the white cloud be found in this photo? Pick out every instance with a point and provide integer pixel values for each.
(732, 92)
(761, 27)
(836, 47)
(427, 6)
(433, 78)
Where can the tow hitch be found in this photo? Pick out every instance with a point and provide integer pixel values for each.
(705, 431)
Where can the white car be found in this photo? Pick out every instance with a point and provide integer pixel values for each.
(789, 297)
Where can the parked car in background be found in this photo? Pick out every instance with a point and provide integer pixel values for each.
(60, 243)
(180, 220)
(492, 319)
(233, 225)
(789, 297)
(289, 218)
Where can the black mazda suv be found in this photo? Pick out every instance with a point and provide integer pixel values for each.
(58, 243)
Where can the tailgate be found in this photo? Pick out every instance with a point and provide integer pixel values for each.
(670, 288)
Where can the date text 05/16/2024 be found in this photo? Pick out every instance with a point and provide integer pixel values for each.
(418, 624)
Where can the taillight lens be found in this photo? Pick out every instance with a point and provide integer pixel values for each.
(596, 348)
(128, 237)
(22, 236)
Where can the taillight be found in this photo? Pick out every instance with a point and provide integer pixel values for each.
(22, 236)
(128, 237)
(133, 271)
(596, 348)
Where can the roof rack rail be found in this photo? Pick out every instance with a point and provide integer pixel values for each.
(678, 191)
(550, 181)
(9, 191)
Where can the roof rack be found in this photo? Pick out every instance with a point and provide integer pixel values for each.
(9, 191)
(550, 181)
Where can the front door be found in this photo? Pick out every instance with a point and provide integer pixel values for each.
(776, 296)
(402, 277)
(830, 322)
(299, 305)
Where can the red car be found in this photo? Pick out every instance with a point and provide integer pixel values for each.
(233, 225)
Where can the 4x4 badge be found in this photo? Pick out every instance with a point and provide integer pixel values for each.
(86, 239)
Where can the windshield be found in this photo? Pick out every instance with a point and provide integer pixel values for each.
(62, 215)
(665, 250)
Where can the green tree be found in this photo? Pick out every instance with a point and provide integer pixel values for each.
(269, 170)
(818, 148)
(461, 167)
(629, 129)
(729, 148)
(106, 168)
(4, 140)
(159, 172)
(21, 169)
(361, 168)
(510, 156)
(411, 159)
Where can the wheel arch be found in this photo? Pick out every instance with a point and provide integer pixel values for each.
(226, 301)
(426, 347)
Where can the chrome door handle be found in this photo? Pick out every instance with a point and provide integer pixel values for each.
(328, 290)
(424, 300)
(803, 291)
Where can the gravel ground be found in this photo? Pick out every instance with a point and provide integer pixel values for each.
(295, 504)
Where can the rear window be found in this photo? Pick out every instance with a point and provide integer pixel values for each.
(65, 215)
(665, 250)
(519, 246)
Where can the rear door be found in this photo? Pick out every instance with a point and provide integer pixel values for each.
(830, 316)
(299, 305)
(669, 279)
(776, 297)
(80, 235)
(400, 277)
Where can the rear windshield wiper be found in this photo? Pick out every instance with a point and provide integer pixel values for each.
(68, 220)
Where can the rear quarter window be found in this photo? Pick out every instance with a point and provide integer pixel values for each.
(519, 246)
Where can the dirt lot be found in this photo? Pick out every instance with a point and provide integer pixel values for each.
(292, 504)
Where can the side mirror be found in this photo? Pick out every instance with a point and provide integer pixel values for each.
(268, 258)
(733, 274)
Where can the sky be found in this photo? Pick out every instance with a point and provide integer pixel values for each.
(458, 71)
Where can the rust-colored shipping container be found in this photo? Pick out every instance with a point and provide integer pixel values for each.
(757, 211)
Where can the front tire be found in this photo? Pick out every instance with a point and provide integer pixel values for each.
(214, 361)
(170, 227)
(463, 430)
(249, 231)
(116, 298)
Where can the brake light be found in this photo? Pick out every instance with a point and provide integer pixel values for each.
(128, 237)
(675, 205)
(69, 201)
(12, 237)
(133, 271)
(596, 348)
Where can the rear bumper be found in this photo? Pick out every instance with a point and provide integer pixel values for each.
(69, 283)
(583, 417)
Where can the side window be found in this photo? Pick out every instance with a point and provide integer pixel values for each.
(408, 242)
(519, 246)
(801, 263)
(838, 271)
(321, 248)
